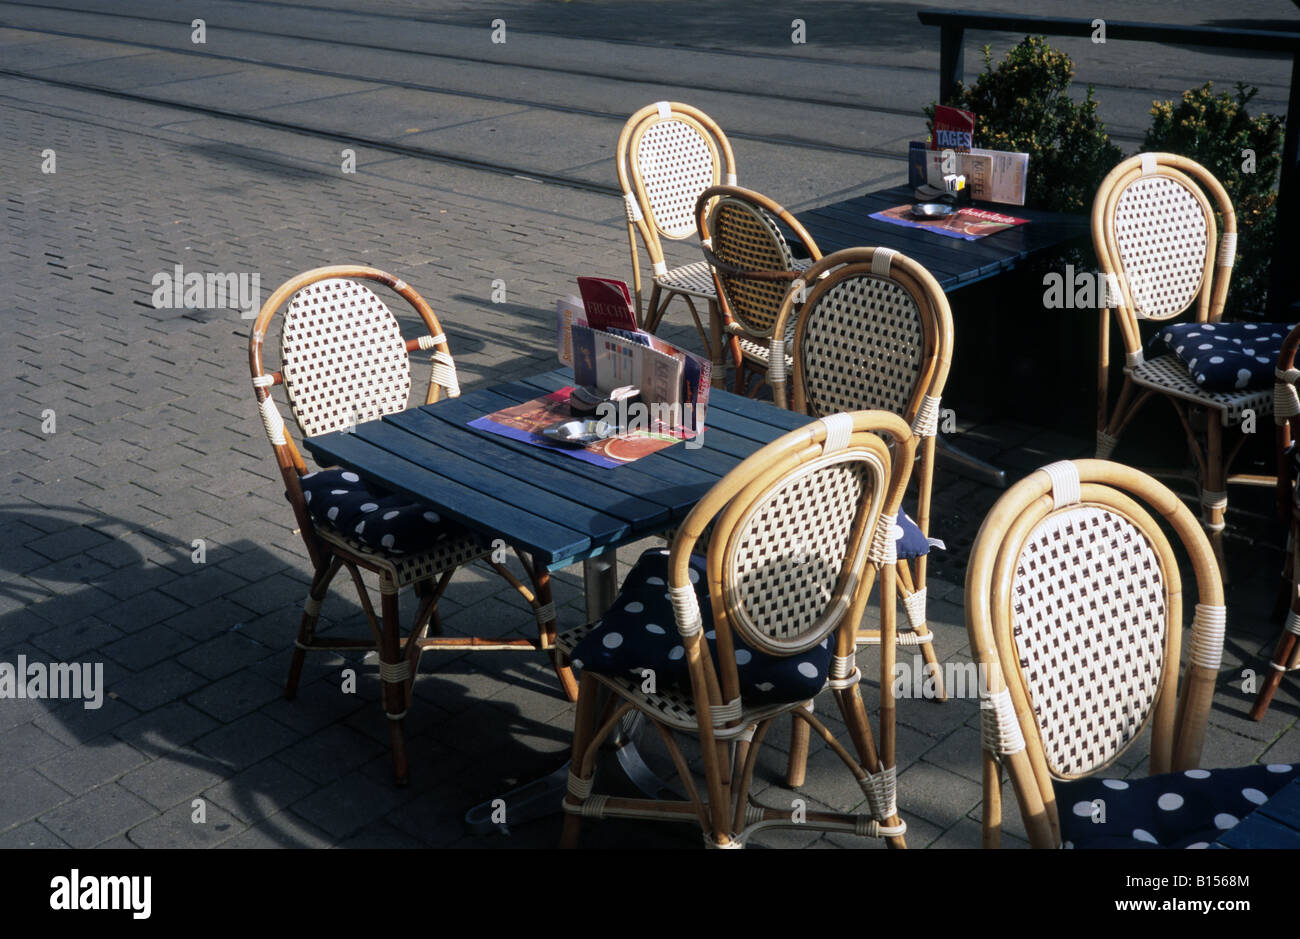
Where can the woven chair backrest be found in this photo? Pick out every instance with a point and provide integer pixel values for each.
(674, 159)
(864, 342)
(745, 238)
(343, 357)
(798, 549)
(1090, 626)
(1161, 231)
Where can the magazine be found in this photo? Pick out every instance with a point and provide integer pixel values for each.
(568, 313)
(607, 303)
(968, 224)
(992, 175)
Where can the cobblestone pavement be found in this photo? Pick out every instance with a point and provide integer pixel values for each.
(156, 445)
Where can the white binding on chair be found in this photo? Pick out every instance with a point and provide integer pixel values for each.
(1227, 249)
(444, 373)
(881, 259)
(1292, 622)
(1065, 483)
(665, 110)
(686, 607)
(915, 608)
(884, 542)
(633, 207)
(263, 381)
(272, 421)
(1208, 625)
(1286, 403)
(1134, 359)
(998, 725)
(839, 430)
(731, 179)
(660, 268)
(1105, 445)
(428, 342)
(926, 423)
(1148, 164)
(881, 790)
(776, 360)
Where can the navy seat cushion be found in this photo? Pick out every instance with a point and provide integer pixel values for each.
(1173, 810)
(912, 544)
(383, 521)
(1224, 356)
(639, 631)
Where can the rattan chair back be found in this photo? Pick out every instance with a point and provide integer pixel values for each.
(752, 263)
(342, 359)
(1074, 606)
(791, 531)
(874, 332)
(668, 153)
(1156, 237)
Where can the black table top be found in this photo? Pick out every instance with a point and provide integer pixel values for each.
(558, 509)
(953, 262)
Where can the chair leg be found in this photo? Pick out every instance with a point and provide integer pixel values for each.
(1287, 652)
(394, 671)
(914, 605)
(854, 713)
(547, 621)
(584, 726)
(1214, 496)
(307, 628)
(796, 768)
(654, 311)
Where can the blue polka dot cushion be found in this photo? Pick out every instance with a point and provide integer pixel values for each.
(639, 632)
(1174, 810)
(380, 520)
(911, 543)
(1224, 356)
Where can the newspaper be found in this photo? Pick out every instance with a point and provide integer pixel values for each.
(992, 175)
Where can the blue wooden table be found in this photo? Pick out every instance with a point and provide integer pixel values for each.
(1275, 824)
(554, 510)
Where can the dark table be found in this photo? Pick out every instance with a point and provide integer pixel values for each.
(953, 262)
(1275, 824)
(552, 508)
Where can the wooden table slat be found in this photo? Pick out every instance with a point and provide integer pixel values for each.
(456, 501)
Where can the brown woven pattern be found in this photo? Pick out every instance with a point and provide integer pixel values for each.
(786, 556)
(1160, 229)
(747, 238)
(343, 357)
(1089, 613)
(1168, 374)
(863, 348)
(675, 166)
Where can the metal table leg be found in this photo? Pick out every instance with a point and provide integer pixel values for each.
(969, 466)
(542, 797)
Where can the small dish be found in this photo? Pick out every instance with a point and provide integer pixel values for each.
(932, 210)
(579, 433)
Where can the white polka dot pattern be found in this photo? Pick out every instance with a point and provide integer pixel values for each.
(343, 357)
(1089, 626)
(675, 166)
(1161, 233)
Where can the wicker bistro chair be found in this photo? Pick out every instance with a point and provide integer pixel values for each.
(873, 332)
(1286, 420)
(1154, 231)
(1074, 607)
(343, 361)
(753, 268)
(668, 153)
(765, 621)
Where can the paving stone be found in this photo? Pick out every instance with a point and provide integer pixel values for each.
(260, 791)
(25, 794)
(235, 695)
(96, 816)
(80, 769)
(30, 835)
(178, 776)
(177, 828)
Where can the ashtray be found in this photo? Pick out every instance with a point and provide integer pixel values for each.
(579, 433)
(932, 210)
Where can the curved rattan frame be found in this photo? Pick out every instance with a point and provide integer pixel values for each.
(1178, 714)
(736, 323)
(1211, 460)
(936, 324)
(641, 220)
(728, 816)
(329, 551)
(1286, 422)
